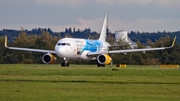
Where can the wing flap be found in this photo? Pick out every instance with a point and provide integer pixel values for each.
(96, 53)
(32, 50)
(135, 50)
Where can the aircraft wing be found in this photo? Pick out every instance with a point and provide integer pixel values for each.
(28, 49)
(131, 50)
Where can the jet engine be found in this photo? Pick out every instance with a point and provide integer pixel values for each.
(104, 59)
(49, 59)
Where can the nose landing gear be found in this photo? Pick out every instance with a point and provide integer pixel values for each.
(65, 62)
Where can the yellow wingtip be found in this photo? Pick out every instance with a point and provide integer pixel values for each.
(174, 41)
(6, 41)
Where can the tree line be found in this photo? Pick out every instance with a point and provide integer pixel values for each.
(87, 33)
(46, 40)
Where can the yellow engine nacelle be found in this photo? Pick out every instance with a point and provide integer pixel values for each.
(104, 59)
(49, 59)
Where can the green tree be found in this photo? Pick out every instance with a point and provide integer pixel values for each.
(44, 41)
(136, 59)
(23, 41)
(164, 56)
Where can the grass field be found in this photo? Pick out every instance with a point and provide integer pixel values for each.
(88, 83)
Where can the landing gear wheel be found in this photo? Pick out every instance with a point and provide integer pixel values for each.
(100, 65)
(64, 64)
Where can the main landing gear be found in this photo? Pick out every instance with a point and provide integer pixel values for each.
(100, 65)
(65, 62)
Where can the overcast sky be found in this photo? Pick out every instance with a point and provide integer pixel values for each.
(136, 15)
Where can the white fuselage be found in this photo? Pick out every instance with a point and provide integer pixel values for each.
(73, 48)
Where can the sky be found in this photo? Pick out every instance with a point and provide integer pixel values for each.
(130, 15)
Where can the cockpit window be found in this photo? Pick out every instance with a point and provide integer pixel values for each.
(68, 44)
(64, 44)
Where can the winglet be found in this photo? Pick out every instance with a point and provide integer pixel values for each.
(173, 42)
(5, 43)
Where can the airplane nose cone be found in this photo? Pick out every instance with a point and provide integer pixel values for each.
(59, 51)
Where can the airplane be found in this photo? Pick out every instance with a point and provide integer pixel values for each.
(84, 49)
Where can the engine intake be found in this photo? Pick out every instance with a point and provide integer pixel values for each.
(104, 59)
(49, 59)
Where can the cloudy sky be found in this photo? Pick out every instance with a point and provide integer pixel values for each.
(136, 15)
